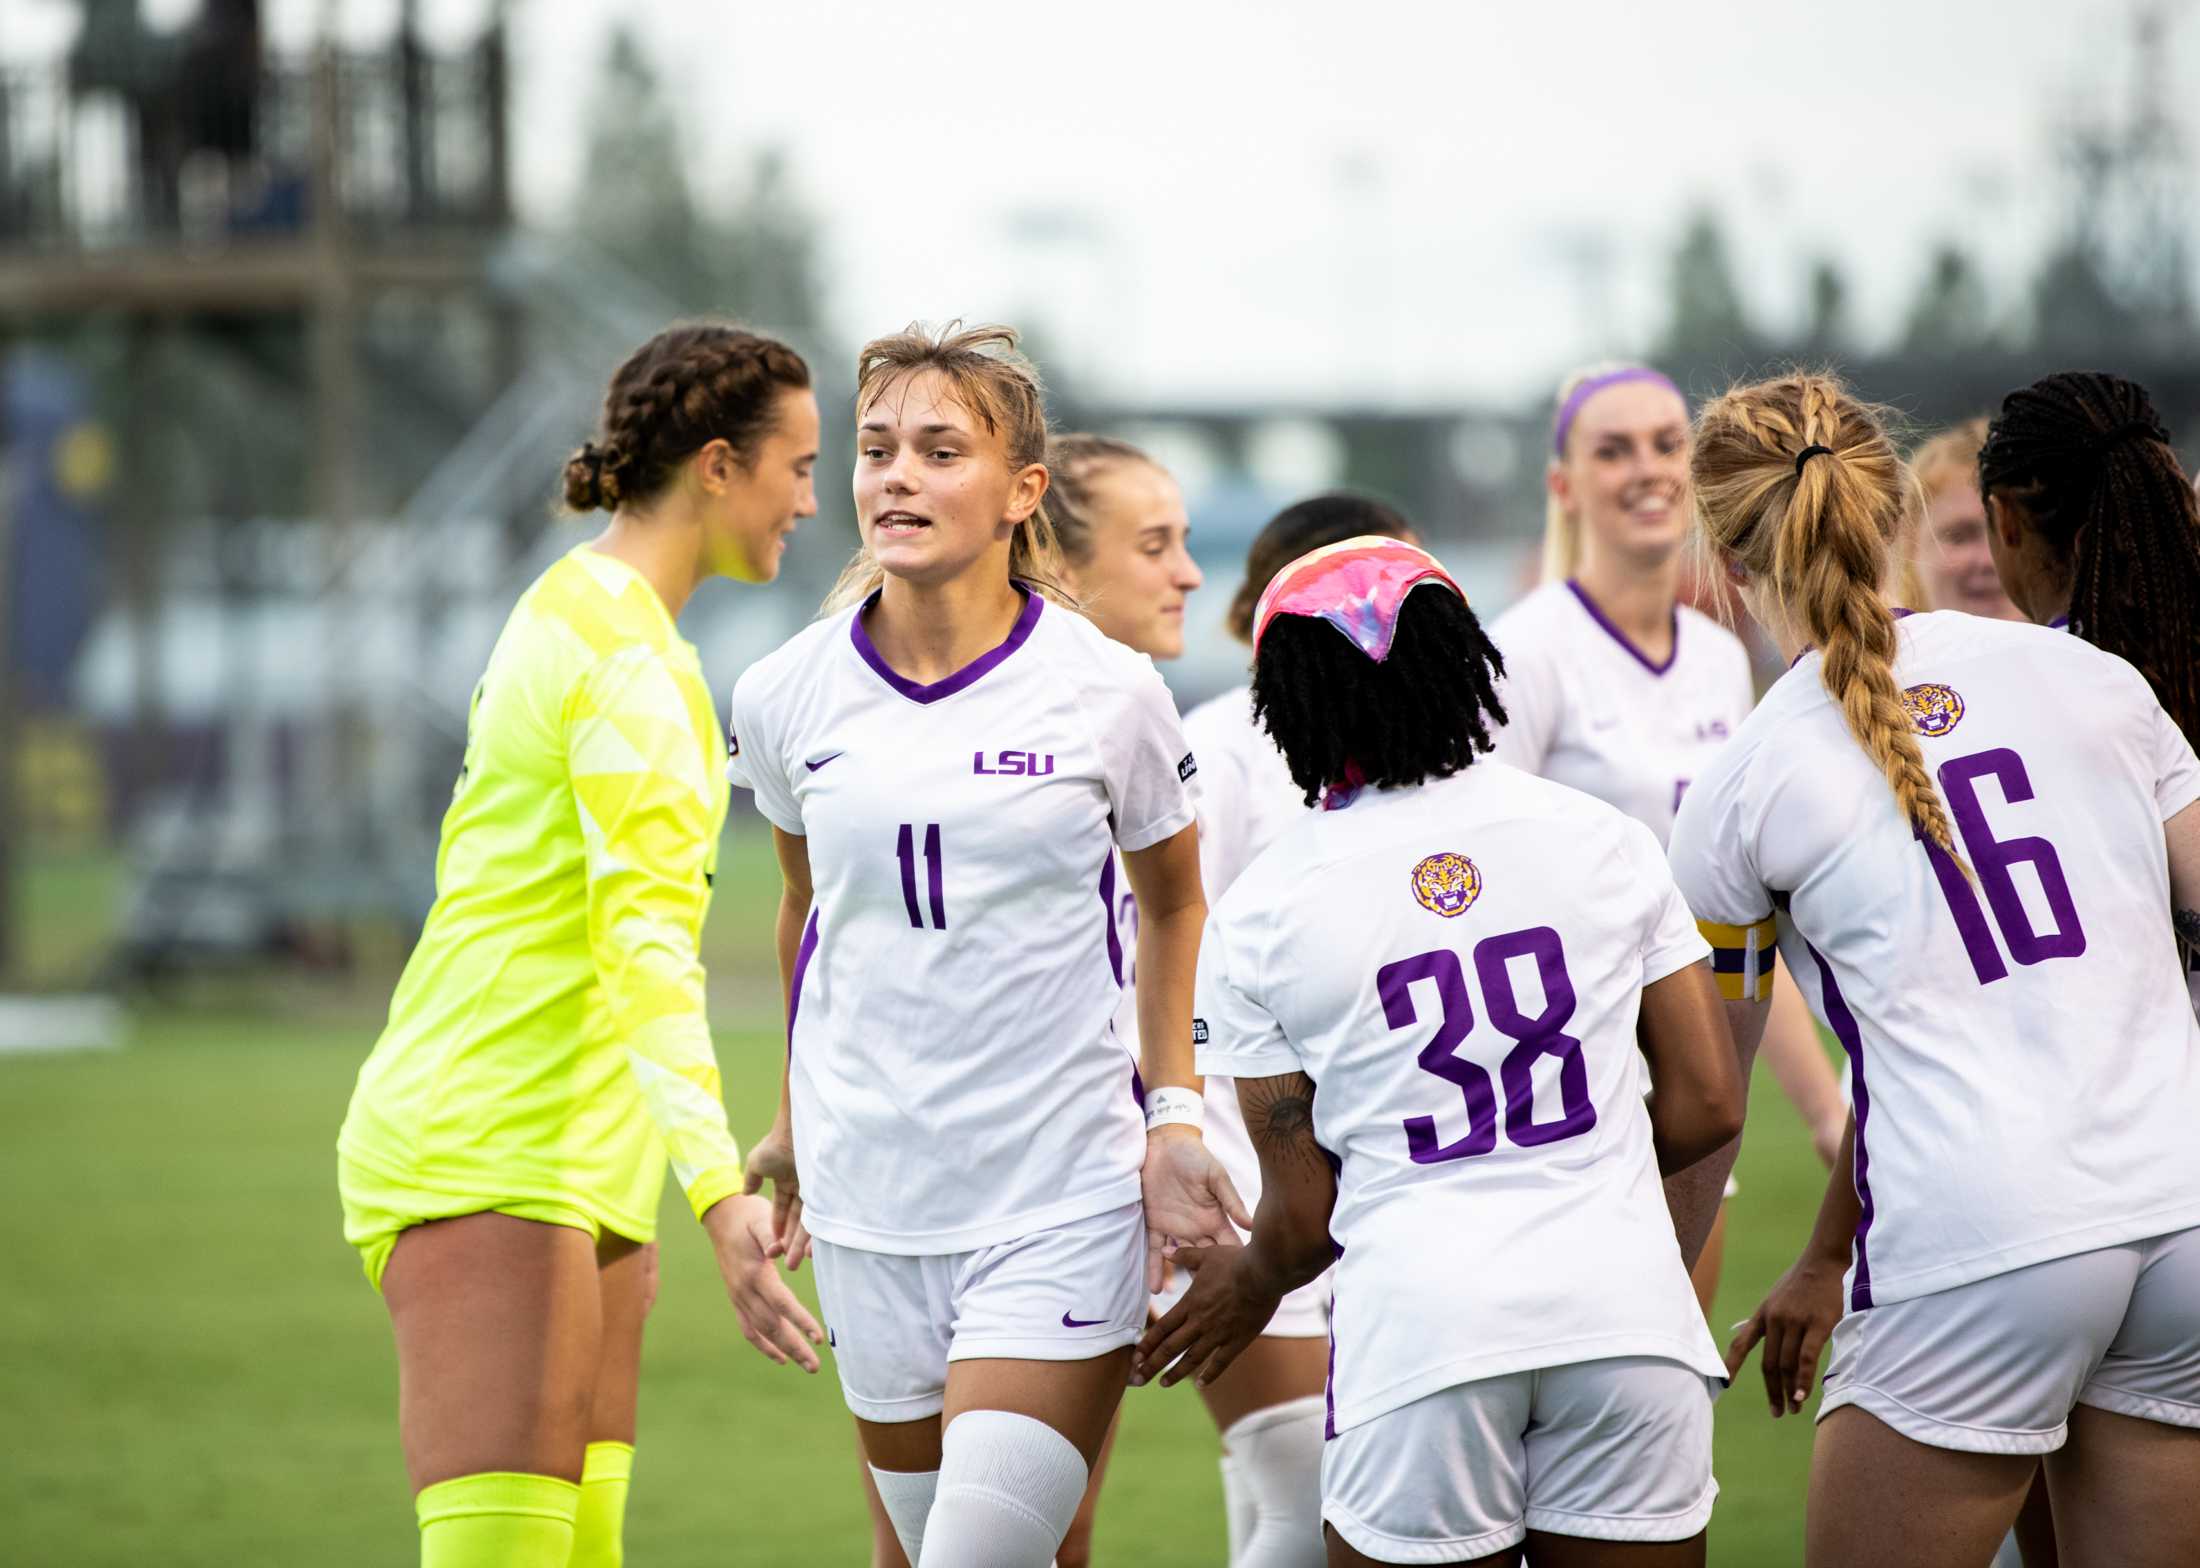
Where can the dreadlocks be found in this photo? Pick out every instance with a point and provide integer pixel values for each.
(1423, 713)
(2088, 463)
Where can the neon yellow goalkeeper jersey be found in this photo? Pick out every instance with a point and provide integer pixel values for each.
(547, 1041)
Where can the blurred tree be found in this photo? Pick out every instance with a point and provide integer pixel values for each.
(1826, 330)
(1705, 316)
(756, 260)
(2074, 310)
(1950, 314)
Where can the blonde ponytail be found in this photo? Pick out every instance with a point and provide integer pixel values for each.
(1815, 531)
(993, 380)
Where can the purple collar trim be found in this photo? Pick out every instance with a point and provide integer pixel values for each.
(2060, 623)
(969, 674)
(1622, 638)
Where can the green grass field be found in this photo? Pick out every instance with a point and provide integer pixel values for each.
(195, 1372)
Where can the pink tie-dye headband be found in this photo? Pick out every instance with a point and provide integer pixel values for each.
(1357, 585)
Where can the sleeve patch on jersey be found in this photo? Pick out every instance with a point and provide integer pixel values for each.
(1185, 769)
(733, 744)
(1199, 1031)
(1742, 958)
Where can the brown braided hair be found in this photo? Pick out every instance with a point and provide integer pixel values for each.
(1815, 533)
(686, 387)
(2087, 462)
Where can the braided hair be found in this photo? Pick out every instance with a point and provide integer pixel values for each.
(2088, 464)
(686, 387)
(1338, 716)
(1814, 529)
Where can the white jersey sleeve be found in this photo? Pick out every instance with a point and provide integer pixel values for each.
(1149, 765)
(1671, 940)
(758, 764)
(2177, 771)
(1237, 1036)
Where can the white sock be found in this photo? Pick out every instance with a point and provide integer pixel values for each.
(1009, 1487)
(907, 1495)
(1276, 1454)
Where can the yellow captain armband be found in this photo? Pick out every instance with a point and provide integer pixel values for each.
(1742, 958)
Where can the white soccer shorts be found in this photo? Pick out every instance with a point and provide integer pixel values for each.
(1612, 1450)
(1995, 1366)
(894, 1322)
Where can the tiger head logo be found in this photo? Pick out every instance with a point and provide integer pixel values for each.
(1446, 884)
(1935, 709)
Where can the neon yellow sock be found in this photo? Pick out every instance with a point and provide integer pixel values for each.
(500, 1519)
(599, 1530)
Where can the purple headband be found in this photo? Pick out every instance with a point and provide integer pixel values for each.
(1595, 384)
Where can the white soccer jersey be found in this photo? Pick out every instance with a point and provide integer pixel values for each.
(1459, 967)
(1585, 707)
(954, 1077)
(2025, 1060)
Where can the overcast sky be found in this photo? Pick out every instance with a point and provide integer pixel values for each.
(1397, 199)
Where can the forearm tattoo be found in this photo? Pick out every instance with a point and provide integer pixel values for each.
(1279, 1113)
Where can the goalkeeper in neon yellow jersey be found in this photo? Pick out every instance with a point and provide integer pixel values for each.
(547, 1048)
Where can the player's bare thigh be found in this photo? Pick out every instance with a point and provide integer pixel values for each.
(626, 1273)
(1076, 1398)
(1343, 1554)
(2125, 1490)
(498, 1323)
(1882, 1500)
(1273, 1370)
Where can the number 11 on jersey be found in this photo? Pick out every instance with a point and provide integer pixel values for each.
(906, 849)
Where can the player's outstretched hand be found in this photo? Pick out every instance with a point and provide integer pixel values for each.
(772, 1319)
(772, 1159)
(1223, 1312)
(1795, 1321)
(1190, 1199)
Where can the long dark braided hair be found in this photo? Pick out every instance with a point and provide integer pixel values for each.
(1423, 713)
(686, 387)
(2087, 461)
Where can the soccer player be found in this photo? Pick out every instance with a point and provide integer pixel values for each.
(1439, 996)
(501, 1163)
(1268, 1406)
(950, 761)
(1971, 838)
(1616, 687)
(1942, 560)
(2094, 526)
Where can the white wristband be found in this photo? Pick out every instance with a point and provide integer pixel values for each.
(1166, 1107)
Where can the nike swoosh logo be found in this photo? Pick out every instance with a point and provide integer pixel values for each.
(1070, 1322)
(814, 766)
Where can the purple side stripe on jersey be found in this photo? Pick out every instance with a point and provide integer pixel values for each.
(1138, 1087)
(1843, 1024)
(1107, 915)
(1622, 638)
(802, 956)
(976, 669)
